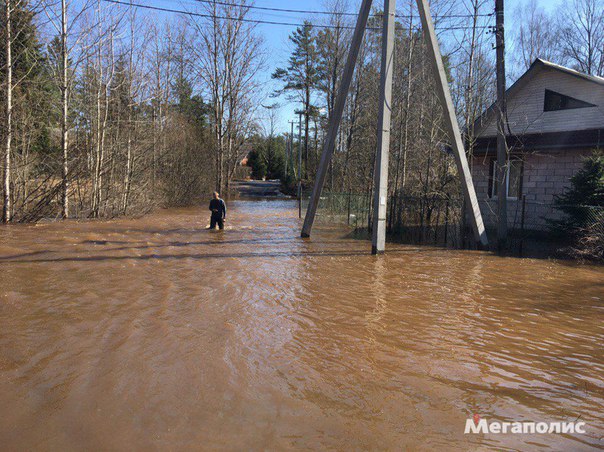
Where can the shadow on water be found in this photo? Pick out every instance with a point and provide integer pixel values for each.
(17, 256)
(200, 256)
(531, 249)
(222, 241)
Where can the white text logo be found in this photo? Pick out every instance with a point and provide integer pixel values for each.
(478, 425)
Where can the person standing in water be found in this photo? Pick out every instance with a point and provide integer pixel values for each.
(218, 209)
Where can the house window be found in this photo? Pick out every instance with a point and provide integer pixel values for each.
(513, 179)
(555, 101)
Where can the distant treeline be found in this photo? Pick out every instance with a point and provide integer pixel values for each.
(108, 109)
(572, 35)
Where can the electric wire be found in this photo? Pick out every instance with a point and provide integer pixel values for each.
(264, 22)
(318, 12)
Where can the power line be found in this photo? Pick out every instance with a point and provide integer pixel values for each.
(328, 13)
(258, 21)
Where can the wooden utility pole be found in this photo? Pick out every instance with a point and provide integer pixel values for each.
(380, 190)
(336, 117)
(502, 157)
(6, 209)
(287, 148)
(450, 122)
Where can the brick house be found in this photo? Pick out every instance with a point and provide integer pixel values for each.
(556, 118)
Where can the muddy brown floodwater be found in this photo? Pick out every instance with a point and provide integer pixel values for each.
(153, 333)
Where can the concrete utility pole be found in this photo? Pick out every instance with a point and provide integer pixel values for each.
(336, 117)
(300, 165)
(380, 190)
(451, 125)
(502, 154)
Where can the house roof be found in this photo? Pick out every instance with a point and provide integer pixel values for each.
(549, 64)
(537, 66)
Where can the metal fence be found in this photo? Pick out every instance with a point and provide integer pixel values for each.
(439, 220)
(342, 208)
(432, 219)
(534, 216)
(594, 218)
(559, 225)
(429, 220)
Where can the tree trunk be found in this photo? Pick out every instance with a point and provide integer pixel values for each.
(64, 97)
(129, 154)
(6, 210)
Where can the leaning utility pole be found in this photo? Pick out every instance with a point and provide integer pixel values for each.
(451, 124)
(502, 157)
(336, 117)
(380, 190)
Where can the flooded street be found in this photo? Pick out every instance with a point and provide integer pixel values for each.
(154, 333)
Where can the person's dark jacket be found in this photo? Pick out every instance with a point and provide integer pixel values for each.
(218, 208)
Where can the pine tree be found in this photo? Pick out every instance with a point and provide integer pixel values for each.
(585, 193)
(188, 104)
(302, 76)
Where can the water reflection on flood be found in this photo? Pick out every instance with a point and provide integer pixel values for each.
(155, 333)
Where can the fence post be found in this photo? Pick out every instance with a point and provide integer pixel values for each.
(436, 222)
(348, 209)
(520, 246)
(446, 221)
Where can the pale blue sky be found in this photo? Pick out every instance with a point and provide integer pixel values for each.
(276, 36)
(279, 48)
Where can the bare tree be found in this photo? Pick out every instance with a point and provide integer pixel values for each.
(128, 172)
(64, 113)
(8, 118)
(227, 58)
(582, 35)
(535, 36)
(64, 72)
(103, 65)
